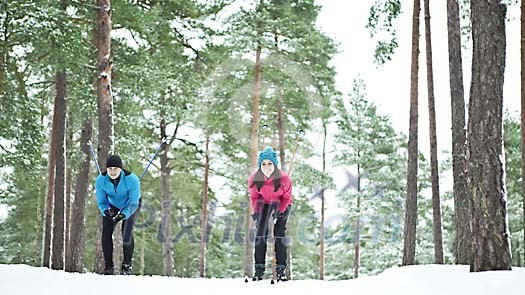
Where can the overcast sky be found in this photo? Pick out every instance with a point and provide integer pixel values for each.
(389, 85)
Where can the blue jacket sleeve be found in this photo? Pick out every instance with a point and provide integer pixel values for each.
(134, 196)
(102, 198)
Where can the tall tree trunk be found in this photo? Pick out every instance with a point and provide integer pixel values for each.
(523, 117)
(462, 220)
(69, 187)
(142, 251)
(57, 251)
(486, 163)
(321, 227)
(282, 154)
(105, 104)
(280, 113)
(409, 250)
(165, 223)
(40, 218)
(50, 196)
(3, 53)
(254, 147)
(280, 127)
(436, 203)
(204, 221)
(357, 237)
(518, 256)
(74, 262)
(118, 249)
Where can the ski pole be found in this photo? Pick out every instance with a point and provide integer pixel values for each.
(274, 262)
(300, 135)
(300, 132)
(265, 127)
(164, 140)
(94, 157)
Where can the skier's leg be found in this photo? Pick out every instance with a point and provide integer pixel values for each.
(279, 232)
(128, 242)
(261, 238)
(107, 243)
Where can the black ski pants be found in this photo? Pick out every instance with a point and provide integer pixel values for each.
(261, 236)
(108, 226)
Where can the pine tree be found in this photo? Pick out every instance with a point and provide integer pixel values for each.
(512, 144)
(522, 47)
(436, 202)
(459, 153)
(368, 144)
(486, 182)
(411, 201)
(74, 262)
(381, 19)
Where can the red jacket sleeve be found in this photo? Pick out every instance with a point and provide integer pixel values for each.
(286, 186)
(254, 195)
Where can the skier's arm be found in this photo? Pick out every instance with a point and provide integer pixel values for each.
(102, 197)
(254, 196)
(134, 197)
(286, 198)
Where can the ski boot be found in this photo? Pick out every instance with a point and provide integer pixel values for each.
(281, 273)
(109, 271)
(259, 272)
(126, 269)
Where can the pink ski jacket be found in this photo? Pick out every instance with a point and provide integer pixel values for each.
(282, 197)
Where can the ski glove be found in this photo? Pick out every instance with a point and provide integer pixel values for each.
(119, 217)
(109, 213)
(279, 215)
(255, 216)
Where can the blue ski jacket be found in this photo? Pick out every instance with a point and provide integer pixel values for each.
(125, 196)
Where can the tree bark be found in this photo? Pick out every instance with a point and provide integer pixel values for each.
(74, 262)
(204, 221)
(46, 251)
(436, 202)
(523, 117)
(68, 201)
(3, 55)
(57, 251)
(462, 218)
(518, 256)
(280, 127)
(254, 147)
(165, 223)
(357, 237)
(321, 227)
(486, 168)
(142, 251)
(282, 156)
(409, 250)
(105, 103)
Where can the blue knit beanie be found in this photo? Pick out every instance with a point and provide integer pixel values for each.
(268, 154)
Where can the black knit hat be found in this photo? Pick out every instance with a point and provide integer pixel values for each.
(114, 161)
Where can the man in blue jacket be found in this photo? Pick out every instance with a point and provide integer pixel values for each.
(118, 198)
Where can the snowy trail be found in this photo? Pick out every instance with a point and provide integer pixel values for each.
(413, 280)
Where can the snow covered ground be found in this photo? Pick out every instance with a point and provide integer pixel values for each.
(412, 280)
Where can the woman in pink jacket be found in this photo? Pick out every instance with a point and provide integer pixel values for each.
(270, 191)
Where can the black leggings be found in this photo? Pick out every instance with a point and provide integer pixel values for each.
(108, 226)
(278, 232)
